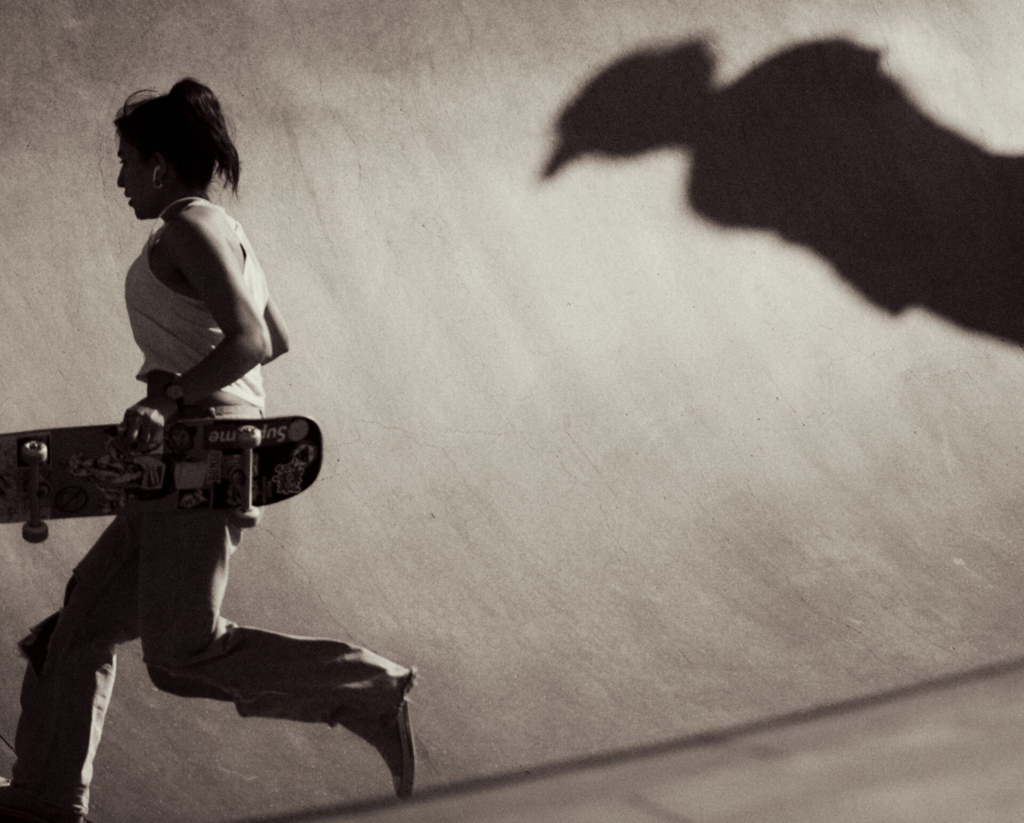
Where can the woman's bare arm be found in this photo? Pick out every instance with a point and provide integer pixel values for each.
(277, 329)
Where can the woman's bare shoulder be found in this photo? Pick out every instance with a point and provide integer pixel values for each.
(200, 225)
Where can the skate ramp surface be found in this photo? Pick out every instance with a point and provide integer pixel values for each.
(942, 751)
(615, 456)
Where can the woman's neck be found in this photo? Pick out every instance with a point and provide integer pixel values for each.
(176, 192)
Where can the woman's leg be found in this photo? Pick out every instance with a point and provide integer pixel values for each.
(70, 676)
(191, 649)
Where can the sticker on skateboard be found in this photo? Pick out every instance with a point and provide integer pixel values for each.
(89, 471)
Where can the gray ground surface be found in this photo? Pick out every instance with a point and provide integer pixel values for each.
(939, 752)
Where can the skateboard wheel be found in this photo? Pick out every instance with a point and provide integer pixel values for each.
(249, 437)
(34, 452)
(35, 534)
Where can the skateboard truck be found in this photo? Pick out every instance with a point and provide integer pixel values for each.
(34, 453)
(249, 438)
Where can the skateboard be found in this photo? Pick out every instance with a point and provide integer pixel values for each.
(90, 471)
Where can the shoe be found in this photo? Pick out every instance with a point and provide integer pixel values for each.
(391, 735)
(393, 739)
(404, 776)
(397, 746)
(24, 808)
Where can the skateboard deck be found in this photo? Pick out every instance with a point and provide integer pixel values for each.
(89, 471)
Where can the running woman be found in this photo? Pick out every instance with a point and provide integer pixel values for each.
(201, 313)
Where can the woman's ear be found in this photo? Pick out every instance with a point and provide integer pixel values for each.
(160, 166)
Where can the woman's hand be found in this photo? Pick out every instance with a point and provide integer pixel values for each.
(144, 422)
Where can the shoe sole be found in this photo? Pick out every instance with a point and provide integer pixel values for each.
(404, 781)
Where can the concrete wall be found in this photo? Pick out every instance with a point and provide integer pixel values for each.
(609, 462)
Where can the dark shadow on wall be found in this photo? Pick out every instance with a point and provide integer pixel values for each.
(818, 145)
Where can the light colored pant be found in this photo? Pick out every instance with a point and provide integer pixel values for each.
(161, 576)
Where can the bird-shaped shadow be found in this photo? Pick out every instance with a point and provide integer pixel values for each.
(818, 145)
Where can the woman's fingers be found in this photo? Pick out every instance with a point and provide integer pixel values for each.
(143, 427)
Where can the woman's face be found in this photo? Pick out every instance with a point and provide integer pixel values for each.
(137, 179)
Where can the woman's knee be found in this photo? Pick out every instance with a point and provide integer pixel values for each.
(183, 684)
(175, 661)
(36, 646)
(187, 642)
(172, 654)
(160, 677)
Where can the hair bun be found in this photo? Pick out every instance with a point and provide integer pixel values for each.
(190, 91)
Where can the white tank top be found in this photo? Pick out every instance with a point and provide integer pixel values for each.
(175, 332)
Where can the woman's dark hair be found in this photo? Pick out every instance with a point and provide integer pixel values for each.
(187, 127)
